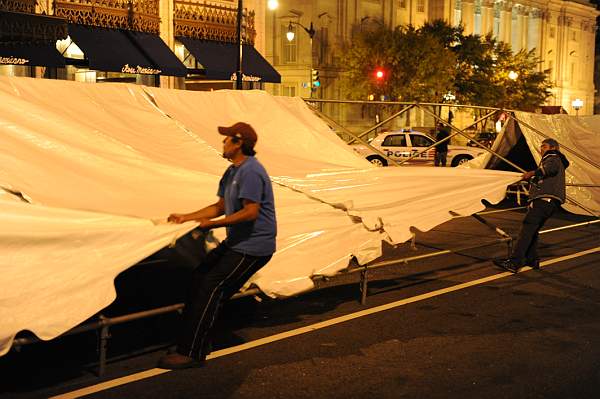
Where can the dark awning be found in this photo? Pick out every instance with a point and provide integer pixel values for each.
(31, 54)
(30, 39)
(116, 50)
(158, 52)
(219, 60)
(254, 64)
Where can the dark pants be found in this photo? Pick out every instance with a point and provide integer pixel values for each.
(525, 249)
(440, 158)
(215, 280)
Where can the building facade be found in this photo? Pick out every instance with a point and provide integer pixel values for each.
(202, 36)
(169, 43)
(561, 32)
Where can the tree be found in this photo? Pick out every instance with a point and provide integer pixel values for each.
(529, 88)
(483, 67)
(426, 63)
(416, 68)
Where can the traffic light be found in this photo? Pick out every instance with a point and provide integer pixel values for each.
(379, 74)
(315, 78)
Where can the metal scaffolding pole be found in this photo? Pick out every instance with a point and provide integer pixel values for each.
(322, 115)
(459, 131)
(396, 115)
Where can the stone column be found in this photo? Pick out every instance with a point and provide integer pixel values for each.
(534, 27)
(487, 16)
(543, 39)
(516, 28)
(588, 29)
(467, 15)
(477, 17)
(457, 17)
(505, 21)
(497, 21)
(562, 61)
(165, 12)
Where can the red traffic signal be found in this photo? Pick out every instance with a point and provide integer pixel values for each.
(379, 74)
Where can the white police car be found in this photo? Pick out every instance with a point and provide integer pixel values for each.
(401, 144)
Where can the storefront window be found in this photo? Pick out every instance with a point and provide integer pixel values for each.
(82, 75)
(16, 70)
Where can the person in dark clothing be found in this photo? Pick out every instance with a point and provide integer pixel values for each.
(546, 193)
(441, 149)
(246, 199)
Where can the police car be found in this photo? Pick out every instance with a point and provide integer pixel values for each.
(401, 144)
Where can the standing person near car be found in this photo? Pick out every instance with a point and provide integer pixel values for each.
(245, 197)
(546, 193)
(441, 149)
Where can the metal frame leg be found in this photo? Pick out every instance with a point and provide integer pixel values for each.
(364, 286)
(103, 347)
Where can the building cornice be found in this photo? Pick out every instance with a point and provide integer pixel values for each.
(136, 15)
(212, 22)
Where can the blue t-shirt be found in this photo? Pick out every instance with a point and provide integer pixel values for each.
(249, 181)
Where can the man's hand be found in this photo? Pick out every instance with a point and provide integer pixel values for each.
(205, 223)
(527, 175)
(176, 218)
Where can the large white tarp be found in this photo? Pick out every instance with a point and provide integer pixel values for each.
(103, 165)
(579, 136)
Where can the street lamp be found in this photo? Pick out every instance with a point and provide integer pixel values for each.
(271, 4)
(449, 97)
(311, 33)
(577, 104)
(512, 75)
(290, 32)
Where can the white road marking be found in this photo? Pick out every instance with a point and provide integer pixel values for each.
(313, 327)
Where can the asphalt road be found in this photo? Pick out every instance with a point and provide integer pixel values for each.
(531, 335)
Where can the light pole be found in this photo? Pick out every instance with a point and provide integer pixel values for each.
(238, 69)
(577, 104)
(311, 33)
(272, 5)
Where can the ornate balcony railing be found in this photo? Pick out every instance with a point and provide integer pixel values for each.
(25, 6)
(18, 28)
(211, 22)
(19, 24)
(137, 15)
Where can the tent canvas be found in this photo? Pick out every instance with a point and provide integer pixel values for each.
(101, 167)
(579, 137)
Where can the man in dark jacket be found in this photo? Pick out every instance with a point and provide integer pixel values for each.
(546, 193)
(441, 149)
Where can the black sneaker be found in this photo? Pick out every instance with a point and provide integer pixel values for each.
(508, 264)
(175, 361)
(533, 263)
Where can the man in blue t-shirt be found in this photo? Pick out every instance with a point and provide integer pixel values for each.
(246, 199)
